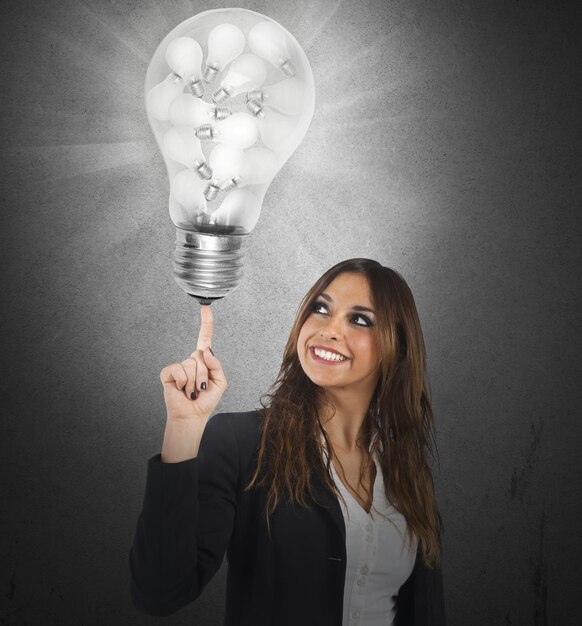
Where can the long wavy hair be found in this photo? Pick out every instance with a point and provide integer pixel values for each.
(398, 426)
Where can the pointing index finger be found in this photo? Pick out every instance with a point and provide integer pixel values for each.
(206, 326)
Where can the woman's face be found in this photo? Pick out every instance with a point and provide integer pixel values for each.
(337, 343)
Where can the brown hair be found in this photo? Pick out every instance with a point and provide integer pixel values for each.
(400, 412)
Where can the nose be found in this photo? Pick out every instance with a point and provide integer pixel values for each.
(332, 329)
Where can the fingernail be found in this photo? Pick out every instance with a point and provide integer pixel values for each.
(211, 350)
(203, 386)
(193, 396)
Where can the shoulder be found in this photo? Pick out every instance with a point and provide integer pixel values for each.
(241, 425)
(241, 430)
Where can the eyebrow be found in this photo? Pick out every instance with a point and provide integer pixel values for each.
(356, 307)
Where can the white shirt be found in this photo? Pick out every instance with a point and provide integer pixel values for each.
(379, 559)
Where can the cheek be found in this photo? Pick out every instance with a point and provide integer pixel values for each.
(305, 332)
(302, 338)
(368, 347)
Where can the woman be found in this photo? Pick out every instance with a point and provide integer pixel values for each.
(323, 500)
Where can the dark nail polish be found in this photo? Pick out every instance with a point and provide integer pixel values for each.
(193, 396)
(203, 386)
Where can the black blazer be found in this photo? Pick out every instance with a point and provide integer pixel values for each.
(196, 510)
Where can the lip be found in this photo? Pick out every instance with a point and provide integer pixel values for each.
(327, 349)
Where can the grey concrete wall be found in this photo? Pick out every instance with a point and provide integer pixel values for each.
(445, 143)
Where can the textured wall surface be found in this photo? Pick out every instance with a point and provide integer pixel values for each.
(445, 143)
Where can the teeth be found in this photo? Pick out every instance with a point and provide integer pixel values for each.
(328, 356)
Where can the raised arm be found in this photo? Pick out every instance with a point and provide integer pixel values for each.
(191, 489)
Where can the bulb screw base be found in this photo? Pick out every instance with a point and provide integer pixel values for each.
(220, 95)
(204, 170)
(287, 68)
(255, 107)
(221, 113)
(211, 191)
(204, 132)
(208, 267)
(257, 94)
(210, 73)
(196, 88)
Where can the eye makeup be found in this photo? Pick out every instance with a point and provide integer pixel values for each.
(320, 307)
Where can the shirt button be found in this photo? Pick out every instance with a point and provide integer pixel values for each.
(360, 582)
(364, 570)
(356, 614)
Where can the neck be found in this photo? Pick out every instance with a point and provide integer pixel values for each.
(343, 419)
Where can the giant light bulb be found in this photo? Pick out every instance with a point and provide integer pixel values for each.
(220, 162)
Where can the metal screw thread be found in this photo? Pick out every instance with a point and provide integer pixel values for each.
(210, 73)
(287, 68)
(196, 88)
(211, 191)
(208, 267)
(221, 113)
(220, 95)
(204, 171)
(255, 95)
(255, 107)
(204, 132)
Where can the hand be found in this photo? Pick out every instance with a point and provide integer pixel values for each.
(194, 387)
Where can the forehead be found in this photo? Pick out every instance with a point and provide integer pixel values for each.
(350, 288)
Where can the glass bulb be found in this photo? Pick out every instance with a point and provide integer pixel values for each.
(187, 110)
(260, 166)
(160, 97)
(267, 40)
(245, 149)
(226, 162)
(225, 43)
(188, 189)
(240, 207)
(183, 146)
(286, 96)
(240, 130)
(184, 56)
(276, 130)
(246, 73)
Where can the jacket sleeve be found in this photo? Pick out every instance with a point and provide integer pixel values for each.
(421, 599)
(186, 522)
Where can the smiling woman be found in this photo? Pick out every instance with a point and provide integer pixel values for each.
(323, 500)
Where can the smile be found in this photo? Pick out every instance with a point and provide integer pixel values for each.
(326, 355)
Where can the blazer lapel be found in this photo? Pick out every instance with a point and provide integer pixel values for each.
(329, 502)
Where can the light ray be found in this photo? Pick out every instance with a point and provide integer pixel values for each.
(353, 99)
(322, 26)
(119, 36)
(354, 62)
(42, 164)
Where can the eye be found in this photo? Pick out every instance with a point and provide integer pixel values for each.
(319, 307)
(362, 320)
